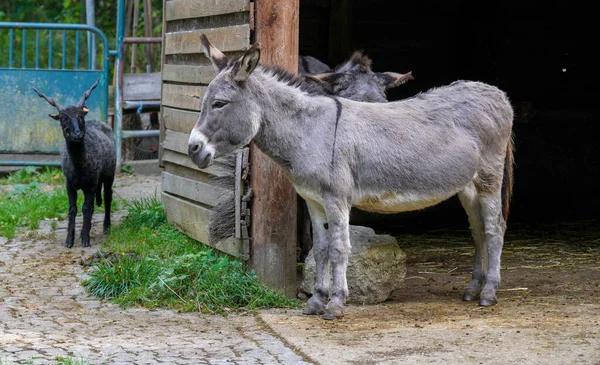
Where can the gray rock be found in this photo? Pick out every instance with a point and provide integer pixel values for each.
(376, 267)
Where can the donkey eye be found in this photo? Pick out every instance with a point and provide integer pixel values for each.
(218, 104)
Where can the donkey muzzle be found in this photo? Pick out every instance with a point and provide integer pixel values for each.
(201, 153)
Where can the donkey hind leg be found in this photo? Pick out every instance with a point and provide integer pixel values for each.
(495, 226)
(316, 303)
(469, 198)
(338, 217)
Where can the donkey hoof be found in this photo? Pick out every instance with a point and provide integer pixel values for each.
(312, 309)
(331, 316)
(468, 297)
(486, 302)
(334, 310)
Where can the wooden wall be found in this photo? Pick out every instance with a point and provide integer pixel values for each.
(189, 193)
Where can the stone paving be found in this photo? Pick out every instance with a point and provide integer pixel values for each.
(45, 314)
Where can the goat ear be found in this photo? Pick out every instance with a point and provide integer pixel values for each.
(54, 116)
(85, 110)
(244, 67)
(218, 59)
(393, 79)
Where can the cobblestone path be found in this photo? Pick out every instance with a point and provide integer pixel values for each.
(45, 314)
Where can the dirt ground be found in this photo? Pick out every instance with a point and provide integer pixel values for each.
(548, 310)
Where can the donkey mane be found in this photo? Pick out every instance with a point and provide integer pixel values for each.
(307, 84)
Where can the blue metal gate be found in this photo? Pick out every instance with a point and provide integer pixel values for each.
(48, 57)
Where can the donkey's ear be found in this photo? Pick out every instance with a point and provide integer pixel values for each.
(244, 67)
(218, 59)
(334, 81)
(54, 116)
(358, 62)
(393, 79)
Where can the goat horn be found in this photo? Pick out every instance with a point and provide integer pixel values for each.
(87, 94)
(49, 100)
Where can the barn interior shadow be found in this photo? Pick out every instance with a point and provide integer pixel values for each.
(536, 51)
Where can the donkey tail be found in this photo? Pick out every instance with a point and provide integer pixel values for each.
(507, 180)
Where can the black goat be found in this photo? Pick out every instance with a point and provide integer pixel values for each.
(88, 162)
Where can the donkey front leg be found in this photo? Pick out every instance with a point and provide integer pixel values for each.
(495, 226)
(72, 194)
(338, 217)
(87, 210)
(316, 303)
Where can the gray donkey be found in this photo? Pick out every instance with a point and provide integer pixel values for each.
(353, 79)
(380, 157)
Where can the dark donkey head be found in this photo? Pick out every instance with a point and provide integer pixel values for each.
(355, 80)
(71, 118)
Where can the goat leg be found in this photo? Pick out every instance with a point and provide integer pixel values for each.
(72, 194)
(87, 210)
(107, 202)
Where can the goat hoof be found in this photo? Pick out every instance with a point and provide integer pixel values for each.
(69, 244)
(85, 242)
(106, 229)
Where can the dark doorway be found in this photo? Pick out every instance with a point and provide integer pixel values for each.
(541, 53)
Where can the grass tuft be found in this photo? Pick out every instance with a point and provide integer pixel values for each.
(29, 174)
(146, 261)
(26, 205)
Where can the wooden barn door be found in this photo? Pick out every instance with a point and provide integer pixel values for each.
(190, 193)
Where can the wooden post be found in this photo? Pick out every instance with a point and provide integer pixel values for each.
(274, 216)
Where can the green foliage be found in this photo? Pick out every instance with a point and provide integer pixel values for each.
(145, 212)
(127, 169)
(148, 262)
(70, 361)
(26, 205)
(70, 11)
(29, 174)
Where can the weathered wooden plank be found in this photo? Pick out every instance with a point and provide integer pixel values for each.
(274, 221)
(184, 161)
(183, 96)
(141, 86)
(179, 120)
(178, 142)
(188, 74)
(193, 220)
(227, 39)
(179, 170)
(197, 191)
(186, 9)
